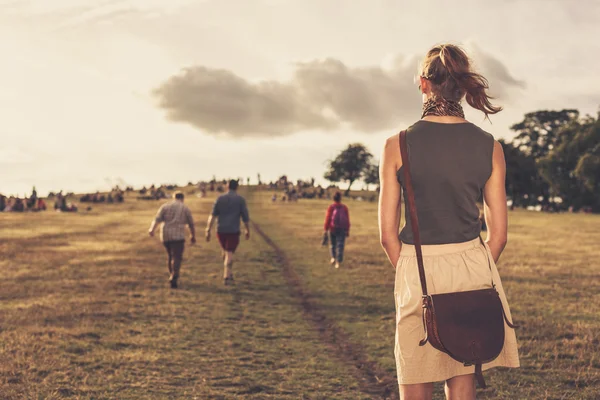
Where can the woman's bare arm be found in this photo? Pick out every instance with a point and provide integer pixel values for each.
(494, 204)
(389, 200)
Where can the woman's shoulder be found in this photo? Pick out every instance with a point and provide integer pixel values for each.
(392, 140)
(415, 127)
(477, 130)
(483, 139)
(408, 129)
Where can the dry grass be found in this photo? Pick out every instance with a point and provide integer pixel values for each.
(85, 312)
(550, 271)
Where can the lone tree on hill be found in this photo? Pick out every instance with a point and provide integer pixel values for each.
(350, 165)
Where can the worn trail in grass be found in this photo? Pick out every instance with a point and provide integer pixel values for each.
(371, 378)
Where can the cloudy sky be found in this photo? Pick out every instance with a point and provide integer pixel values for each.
(97, 92)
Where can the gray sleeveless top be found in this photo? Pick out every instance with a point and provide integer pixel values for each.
(450, 164)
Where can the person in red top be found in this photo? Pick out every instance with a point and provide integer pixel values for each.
(337, 225)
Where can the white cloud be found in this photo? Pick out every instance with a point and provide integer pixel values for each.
(322, 94)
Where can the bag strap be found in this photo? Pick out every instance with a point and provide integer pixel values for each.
(412, 208)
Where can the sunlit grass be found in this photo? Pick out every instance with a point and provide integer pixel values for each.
(85, 309)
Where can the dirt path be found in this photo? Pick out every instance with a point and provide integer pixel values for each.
(372, 379)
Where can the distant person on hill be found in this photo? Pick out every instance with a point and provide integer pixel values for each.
(174, 216)
(41, 205)
(202, 187)
(229, 208)
(337, 224)
(19, 205)
(61, 202)
(321, 192)
(71, 207)
(32, 199)
(9, 205)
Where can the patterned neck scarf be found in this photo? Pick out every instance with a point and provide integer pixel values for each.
(442, 107)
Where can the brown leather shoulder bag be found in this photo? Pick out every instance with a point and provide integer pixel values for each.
(468, 326)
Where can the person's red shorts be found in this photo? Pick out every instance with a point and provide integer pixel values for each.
(229, 241)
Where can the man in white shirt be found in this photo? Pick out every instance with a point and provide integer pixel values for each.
(174, 216)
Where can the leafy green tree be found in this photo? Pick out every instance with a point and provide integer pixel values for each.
(371, 175)
(588, 170)
(523, 182)
(350, 165)
(571, 168)
(538, 133)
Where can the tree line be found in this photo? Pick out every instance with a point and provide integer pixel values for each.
(552, 162)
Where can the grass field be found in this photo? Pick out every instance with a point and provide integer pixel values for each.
(86, 313)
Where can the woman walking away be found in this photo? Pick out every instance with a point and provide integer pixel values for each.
(449, 162)
(337, 224)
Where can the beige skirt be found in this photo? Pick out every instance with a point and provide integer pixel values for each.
(448, 268)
